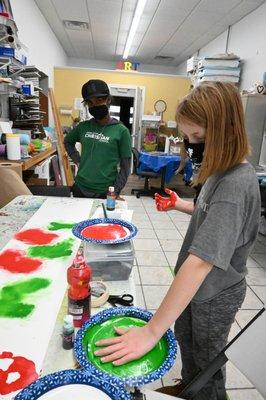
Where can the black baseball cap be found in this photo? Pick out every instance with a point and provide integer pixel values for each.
(94, 87)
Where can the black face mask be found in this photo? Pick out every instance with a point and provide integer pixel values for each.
(195, 151)
(99, 112)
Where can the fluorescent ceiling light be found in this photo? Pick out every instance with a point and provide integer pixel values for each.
(138, 13)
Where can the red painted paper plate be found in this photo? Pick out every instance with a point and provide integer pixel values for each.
(105, 231)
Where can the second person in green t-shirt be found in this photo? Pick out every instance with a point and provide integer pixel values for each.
(105, 143)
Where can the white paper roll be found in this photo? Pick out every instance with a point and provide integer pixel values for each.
(13, 147)
(167, 145)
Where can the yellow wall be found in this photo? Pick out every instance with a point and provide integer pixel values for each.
(68, 83)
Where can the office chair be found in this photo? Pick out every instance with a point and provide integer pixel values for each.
(247, 351)
(146, 191)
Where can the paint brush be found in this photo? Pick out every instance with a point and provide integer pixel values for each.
(104, 211)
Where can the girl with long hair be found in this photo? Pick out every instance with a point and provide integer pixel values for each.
(209, 285)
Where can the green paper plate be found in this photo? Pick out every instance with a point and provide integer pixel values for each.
(143, 366)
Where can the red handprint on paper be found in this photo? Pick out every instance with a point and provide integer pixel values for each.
(22, 369)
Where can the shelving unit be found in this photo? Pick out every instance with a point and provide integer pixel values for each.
(12, 63)
(31, 111)
(28, 112)
(8, 67)
(150, 132)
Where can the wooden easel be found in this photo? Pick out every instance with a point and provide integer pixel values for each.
(63, 157)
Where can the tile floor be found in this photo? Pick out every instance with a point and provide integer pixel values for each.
(157, 245)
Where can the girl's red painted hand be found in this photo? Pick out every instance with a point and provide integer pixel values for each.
(166, 203)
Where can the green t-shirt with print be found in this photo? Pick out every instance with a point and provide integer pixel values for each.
(102, 147)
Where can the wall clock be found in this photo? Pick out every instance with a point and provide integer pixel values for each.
(160, 106)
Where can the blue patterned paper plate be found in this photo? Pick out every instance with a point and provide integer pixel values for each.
(132, 230)
(98, 319)
(75, 384)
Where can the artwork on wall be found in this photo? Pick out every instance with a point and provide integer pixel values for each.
(33, 281)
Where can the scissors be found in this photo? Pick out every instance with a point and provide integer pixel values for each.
(124, 300)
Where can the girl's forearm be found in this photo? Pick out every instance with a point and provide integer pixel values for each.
(185, 285)
(185, 206)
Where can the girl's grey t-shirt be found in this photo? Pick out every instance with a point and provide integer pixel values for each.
(223, 228)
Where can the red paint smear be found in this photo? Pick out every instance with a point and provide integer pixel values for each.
(104, 232)
(35, 236)
(25, 368)
(15, 261)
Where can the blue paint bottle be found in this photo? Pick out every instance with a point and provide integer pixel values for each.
(110, 199)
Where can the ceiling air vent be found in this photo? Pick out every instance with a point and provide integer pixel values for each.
(168, 58)
(76, 25)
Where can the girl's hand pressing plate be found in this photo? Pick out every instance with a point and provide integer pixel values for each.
(131, 344)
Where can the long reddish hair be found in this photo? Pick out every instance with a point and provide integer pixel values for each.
(217, 107)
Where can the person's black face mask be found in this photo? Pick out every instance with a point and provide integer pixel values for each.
(195, 151)
(99, 112)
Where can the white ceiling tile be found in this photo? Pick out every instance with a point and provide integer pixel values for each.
(104, 25)
(126, 21)
(254, 3)
(200, 42)
(72, 10)
(174, 5)
(49, 12)
(166, 20)
(196, 25)
(129, 5)
(217, 6)
(82, 42)
(241, 11)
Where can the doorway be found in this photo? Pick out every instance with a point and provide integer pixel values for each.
(128, 106)
(122, 109)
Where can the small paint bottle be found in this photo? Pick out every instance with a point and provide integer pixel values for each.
(110, 199)
(68, 333)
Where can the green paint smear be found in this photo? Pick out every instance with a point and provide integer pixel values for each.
(61, 249)
(12, 296)
(143, 366)
(56, 226)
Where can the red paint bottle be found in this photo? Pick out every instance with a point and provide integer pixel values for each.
(79, 275)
